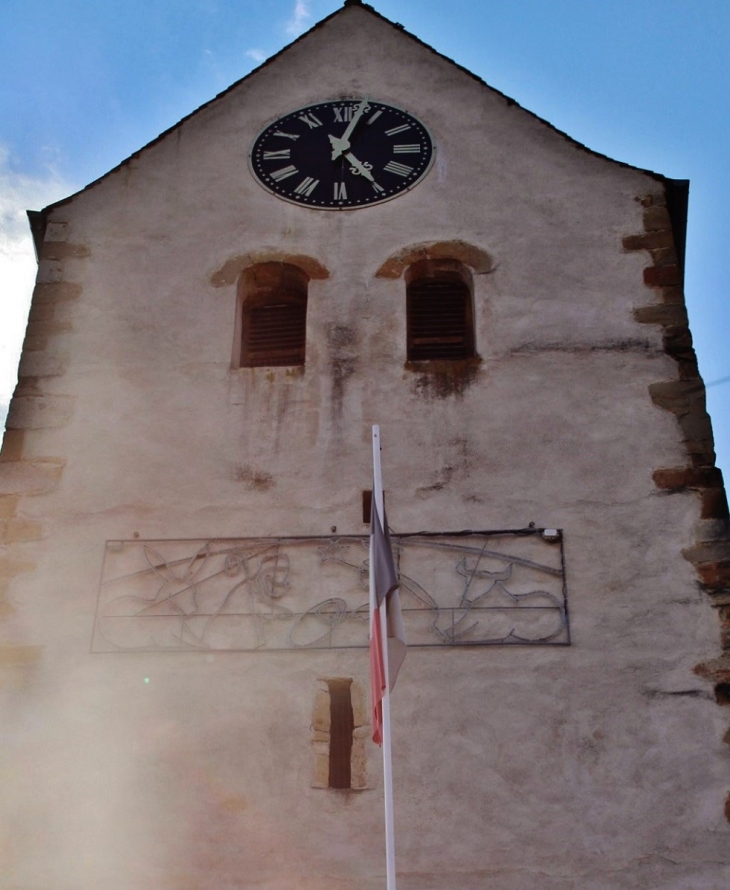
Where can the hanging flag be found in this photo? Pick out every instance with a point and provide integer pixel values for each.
(384, 595)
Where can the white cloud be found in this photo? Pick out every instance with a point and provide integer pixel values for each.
(299, 20)
(18, 267)
(258, 55)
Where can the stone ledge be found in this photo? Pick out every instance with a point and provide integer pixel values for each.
(715, 576)
(685, 398)
(13, 442)
(30, 476)
(716, 670)
(678, 478)
(55, 292)
(657, 219)
(44, 328)
(708, 552)
(662, 276)
(664, 256)
(13, 531)
(8, 505)
(40, 412)
(649, 240)
(18, 655)
(674, 314)
(677, 396)
(60, 250)
(10, 567)
(40, 364)
(714, 503)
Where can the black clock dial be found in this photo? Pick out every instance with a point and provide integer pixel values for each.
(342, 154)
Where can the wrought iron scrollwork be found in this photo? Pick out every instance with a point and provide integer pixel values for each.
(471, 588)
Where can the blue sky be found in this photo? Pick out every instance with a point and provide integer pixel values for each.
(84, 83)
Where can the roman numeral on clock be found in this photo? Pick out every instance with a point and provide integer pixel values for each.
(396, 130)
(285, 135)
(407, 149)
(284, 153)
(340, 191)
(343, 113)
(306, 186)
(310, 120)
(284, 173)
(398, 169)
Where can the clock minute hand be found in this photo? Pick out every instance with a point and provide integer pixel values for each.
(342, 143)
(359, 166)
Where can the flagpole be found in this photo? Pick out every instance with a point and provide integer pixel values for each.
(387, 759)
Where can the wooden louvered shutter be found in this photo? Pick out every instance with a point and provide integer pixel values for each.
(439, 319)
(273, 315)
(274, 334)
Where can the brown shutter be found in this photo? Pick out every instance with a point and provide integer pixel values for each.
(274, 334)
(439, 319)
(273, 301)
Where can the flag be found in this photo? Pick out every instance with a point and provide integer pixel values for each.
(383, 595)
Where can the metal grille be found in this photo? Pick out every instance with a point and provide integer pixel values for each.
(342, 726)
(274, 334)
(471, 588)
(439, 323)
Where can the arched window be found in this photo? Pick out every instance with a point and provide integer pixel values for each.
(439, 311)
(273, 315)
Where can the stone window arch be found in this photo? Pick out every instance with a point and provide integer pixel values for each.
(273, 316)
(439, 311)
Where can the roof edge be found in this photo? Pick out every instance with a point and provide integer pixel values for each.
(670, 184)
(37, 221)
(677, 192)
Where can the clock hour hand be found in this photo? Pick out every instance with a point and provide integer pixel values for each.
(339, 146)
(342, 143)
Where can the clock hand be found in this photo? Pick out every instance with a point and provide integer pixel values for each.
(359, 166)
(355, 118)
(341, 144)
(338, 146)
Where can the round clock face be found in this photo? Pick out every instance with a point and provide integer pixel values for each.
(342, 154)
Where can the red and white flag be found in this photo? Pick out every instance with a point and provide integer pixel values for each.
(383, 595)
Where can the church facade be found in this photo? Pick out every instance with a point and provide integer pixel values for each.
(361, 232)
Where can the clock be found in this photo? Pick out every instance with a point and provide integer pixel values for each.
(342, 154)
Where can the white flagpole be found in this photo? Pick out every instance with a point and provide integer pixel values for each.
(387, 759)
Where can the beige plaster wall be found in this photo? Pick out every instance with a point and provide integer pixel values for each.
(598, 765)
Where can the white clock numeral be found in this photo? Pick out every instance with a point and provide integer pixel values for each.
(406, 149)
(306, 186)
(343, 113)
(372, 119)
(284, 173)
(398, 169)
(286, 135)
(282, 154)
(377, 188)
(310, 120)
(340, 191)
(395, 130)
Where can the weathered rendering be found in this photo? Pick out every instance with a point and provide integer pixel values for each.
(341, 239)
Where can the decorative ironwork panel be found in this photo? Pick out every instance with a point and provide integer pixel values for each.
(470, 588)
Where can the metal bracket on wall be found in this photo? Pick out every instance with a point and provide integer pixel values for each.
(472, 588)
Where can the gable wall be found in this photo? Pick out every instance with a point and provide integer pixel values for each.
(133, 424)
